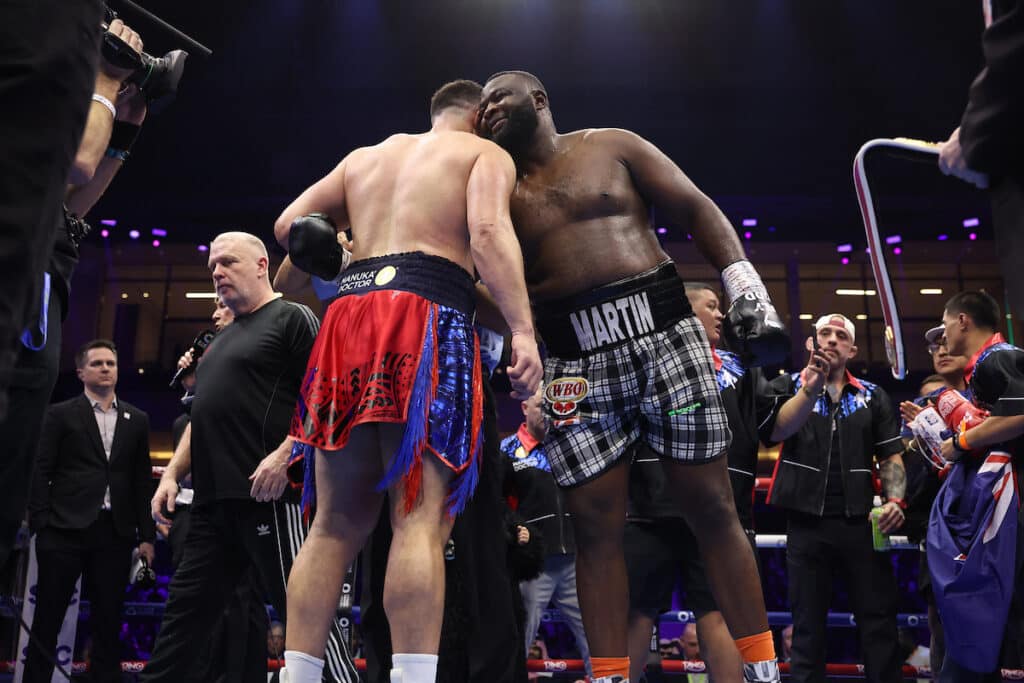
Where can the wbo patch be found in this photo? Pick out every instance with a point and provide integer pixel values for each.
(563, 397)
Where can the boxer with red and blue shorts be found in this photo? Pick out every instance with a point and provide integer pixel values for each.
(398, 345)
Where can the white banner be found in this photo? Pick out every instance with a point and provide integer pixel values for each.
(66, 638)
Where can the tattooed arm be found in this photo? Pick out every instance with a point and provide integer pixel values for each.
(894, 488)
(894, 477)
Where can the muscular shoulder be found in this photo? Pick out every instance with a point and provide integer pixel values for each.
(613, 138)
(387, 146)
(475, 145)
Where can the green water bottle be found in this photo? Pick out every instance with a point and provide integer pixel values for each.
(879, 539)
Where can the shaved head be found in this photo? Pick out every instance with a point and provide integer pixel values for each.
(239, 263)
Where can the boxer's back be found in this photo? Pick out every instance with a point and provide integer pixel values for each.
(408, 193)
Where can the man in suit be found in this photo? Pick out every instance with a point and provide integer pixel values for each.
(89, 508)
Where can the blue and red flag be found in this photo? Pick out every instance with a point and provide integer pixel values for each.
(972, 545)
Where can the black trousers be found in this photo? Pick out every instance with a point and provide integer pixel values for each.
(103, 558)
(226, 651)
(1008, 226)
(231, 545)
(32, 382)
(225, 540)
(817, 548)
(48, 57)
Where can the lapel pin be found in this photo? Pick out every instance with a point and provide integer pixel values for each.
(127, 416)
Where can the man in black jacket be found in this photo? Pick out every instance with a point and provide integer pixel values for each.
(541, 505)
(89, 508)
(834, 427)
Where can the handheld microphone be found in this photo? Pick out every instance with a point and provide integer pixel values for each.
(199, 345)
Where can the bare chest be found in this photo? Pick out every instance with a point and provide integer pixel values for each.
(576, 189)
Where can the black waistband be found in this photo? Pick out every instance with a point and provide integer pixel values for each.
(613, 314)
(432, 277)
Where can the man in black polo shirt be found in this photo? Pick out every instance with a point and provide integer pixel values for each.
(659, 546)
(834, 427)
(246, 389)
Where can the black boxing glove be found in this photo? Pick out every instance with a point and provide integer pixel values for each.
(752, 326)
(313, 247)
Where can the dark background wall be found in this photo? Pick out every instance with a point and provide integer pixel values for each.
(762, 102)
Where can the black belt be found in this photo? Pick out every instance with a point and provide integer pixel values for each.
(613, 314)
(432, 277)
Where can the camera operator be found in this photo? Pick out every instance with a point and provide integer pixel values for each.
(48, 59)
(35, 371)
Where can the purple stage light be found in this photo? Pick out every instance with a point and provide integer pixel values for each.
(104, 233)
(203, 247)
(943, 237)
(689, 236)
(893, 239)
(749, 222)
(134, 234)
(747, 235)
(109, 221)
(971, 222)
(897, 251)
(158, 232)
(771, 228)
(844, 248)
(973, 236)
(156, 243)
(662, 231)
(845, 261)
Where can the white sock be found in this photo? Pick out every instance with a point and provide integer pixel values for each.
(301, 668)
(413, 668)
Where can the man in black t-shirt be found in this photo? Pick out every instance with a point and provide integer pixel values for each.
(246, 389)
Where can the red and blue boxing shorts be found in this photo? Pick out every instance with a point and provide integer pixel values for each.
(398, 345)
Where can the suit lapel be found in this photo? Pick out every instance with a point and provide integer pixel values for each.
(91, 428)
(120, 430)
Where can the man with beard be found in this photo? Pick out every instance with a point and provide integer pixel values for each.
(836, 428)
(393, 398)
(628, 361)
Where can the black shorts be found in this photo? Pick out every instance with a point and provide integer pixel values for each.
(661, 555)
(647, 376)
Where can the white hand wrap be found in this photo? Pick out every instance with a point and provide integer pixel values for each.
(740, 278)
(346, 260)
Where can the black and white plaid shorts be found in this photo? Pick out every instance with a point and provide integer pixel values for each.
(659, 388)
